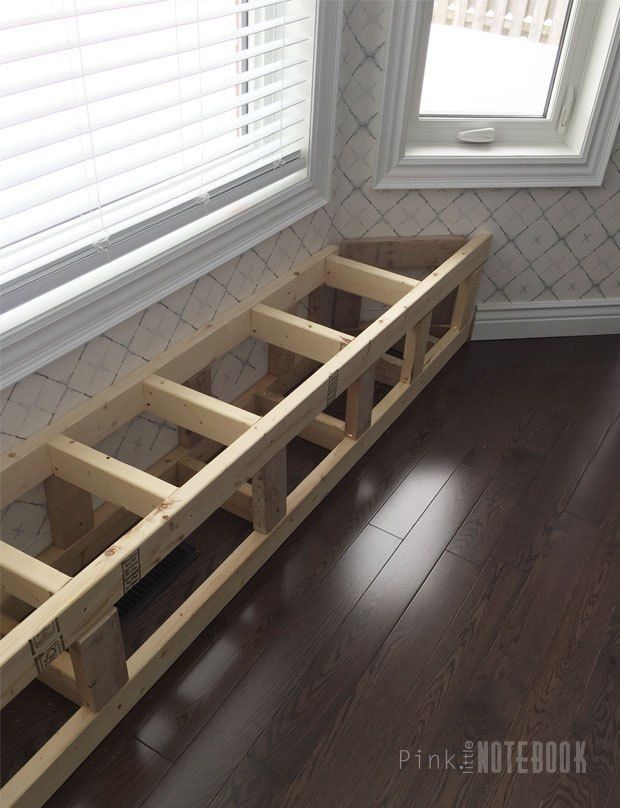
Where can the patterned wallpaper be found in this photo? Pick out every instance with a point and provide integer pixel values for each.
(547, 244)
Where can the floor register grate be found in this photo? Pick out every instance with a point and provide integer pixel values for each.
(157, 579)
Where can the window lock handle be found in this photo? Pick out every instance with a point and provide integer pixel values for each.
(486, 135)
(566, 112)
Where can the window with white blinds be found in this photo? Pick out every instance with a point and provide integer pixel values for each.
(122, 120)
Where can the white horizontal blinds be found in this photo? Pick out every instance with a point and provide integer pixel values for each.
(112, 113)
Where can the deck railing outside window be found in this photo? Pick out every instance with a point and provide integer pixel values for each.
(537, 20)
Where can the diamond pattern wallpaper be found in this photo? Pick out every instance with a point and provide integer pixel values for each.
(548, 244)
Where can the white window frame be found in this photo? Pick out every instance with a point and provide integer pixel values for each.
(37, 332)
(415, 152)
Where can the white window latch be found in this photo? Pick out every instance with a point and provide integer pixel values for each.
(486, 135)
(567, 109)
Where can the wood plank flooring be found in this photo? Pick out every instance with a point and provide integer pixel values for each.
(461, 583)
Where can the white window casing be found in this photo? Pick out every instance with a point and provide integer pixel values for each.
(569, 146)
(256, 156)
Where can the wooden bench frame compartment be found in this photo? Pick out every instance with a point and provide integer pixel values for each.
(68, 633)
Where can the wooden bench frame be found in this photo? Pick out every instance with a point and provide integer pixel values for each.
(74, 619)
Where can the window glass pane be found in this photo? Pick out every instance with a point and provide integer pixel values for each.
(492, 57)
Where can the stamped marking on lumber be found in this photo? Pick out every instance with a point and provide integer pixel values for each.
(47, 645)
(131, 571)
(332, 387)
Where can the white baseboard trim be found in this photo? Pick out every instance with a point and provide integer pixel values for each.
(549, 318)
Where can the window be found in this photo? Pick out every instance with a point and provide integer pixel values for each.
(126, 124)
(127, 118)
(500, 59)
(483, 93)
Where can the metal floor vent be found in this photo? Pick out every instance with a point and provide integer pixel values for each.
(157, 579)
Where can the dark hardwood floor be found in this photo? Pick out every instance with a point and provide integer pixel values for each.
(461, 583)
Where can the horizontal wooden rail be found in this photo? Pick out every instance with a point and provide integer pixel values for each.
(239, 504)
(303, 337)
(111, 521)
(366, 281)
(28, 578)
(193, 410)
(26, 465)
(325, 430)
(312, 340)
(106, 477)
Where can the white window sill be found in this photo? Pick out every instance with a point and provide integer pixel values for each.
(40, 331)
(496, 167)
(490, 153)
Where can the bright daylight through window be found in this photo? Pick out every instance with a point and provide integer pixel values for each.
(122, 120)
(501, 57)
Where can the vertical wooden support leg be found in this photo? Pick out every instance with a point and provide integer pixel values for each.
(269, 493)
(465, 301)
(99, 662)
(347, 308)
(415, 349)
(321, 305)
(279, 360)
(359, 404)
(201, 382)
(69, 509)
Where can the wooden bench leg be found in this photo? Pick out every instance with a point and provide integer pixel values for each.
(70, 511)
(415, 350)
(347, 308)
(279, 360)
(321, 305)
(269, 493)
(360, 397)
(465, 301)
(201, 382)
(99, 662)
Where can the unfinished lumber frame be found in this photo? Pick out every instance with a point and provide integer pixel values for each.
(74, 615)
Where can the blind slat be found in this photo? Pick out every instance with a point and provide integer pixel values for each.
(167, 183)
(223, 11)
(241, 55)
(18, 22)
(76, 43)
(21, 198)
(193, 162)
(39, 139)
(28, 168)
(196, 180)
